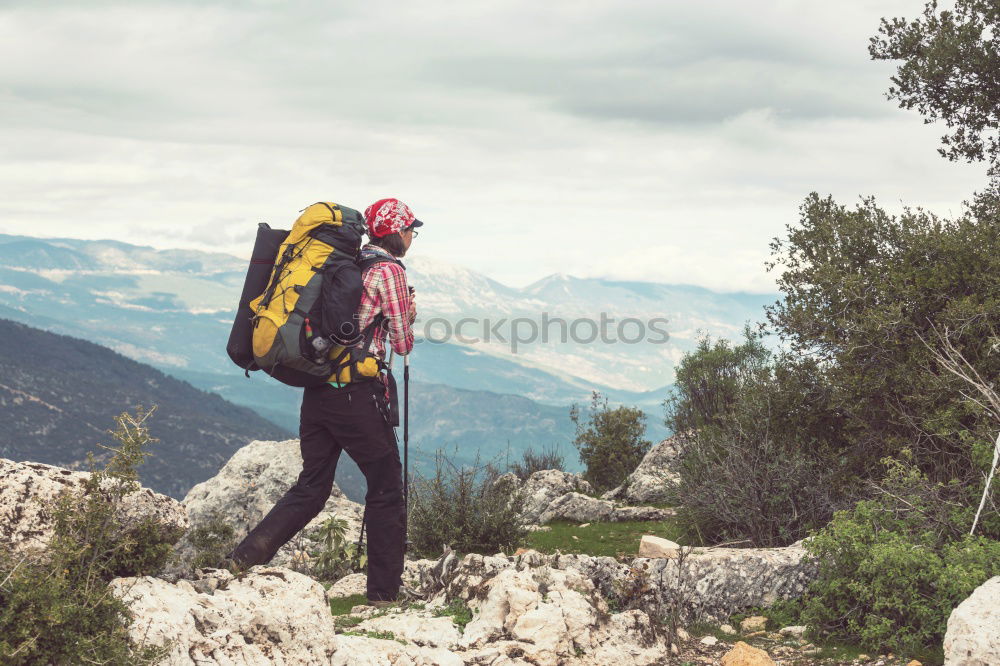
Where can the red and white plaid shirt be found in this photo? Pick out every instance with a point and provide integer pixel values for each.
(385, 290)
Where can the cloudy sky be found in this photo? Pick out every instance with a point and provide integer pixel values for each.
(659, 141)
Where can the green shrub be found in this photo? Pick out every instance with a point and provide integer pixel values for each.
(532, 462)
(763, 456)
(710, 380)
(334, 556)
(212, 539)
(862, 291)
(56, 606)
(470, 508)
(609, 441)
(893, 567)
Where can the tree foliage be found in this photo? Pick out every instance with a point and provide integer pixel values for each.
(709, 381)
(762, 457)
(862, 290)
(950, 71)
(610, 441)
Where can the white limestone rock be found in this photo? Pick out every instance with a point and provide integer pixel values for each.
(649, 482)
(364, 651)
(654, 546)
(271, 615)
(579, 508)
(557, 617)
(28, 492)
(544, 486)
(714, 582)
(249, 485)
(794, 631)
(972, 637)
(348, 586)
(418, 627)
(641, 513)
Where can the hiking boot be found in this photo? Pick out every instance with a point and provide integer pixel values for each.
(234, 567)
(383, 604)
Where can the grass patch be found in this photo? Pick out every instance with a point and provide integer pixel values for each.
(346, 621)
(459, 612)
(609, 539)
(344, 605)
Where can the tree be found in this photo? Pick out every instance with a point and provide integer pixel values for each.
(862, 288)
(950, 71)
(710, 379)
(609, 441)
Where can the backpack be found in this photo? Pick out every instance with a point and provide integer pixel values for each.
(281, 312)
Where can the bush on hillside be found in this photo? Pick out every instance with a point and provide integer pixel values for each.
(610, 442)
(532, 462)
(212, 539)
(761, 457)
(55, 606)
(893, 567)
(709, 381)
(471, 509)
(862, 292)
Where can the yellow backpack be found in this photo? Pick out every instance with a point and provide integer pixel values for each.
(288, 313)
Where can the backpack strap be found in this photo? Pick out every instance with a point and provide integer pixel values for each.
(350, 355)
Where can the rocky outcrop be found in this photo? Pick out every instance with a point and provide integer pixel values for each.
(584, 509)
(649, 482)
(706, 584)
(973, 634)
(272, 615)
(578, 508)
(556, 495)
(525, 610)
(249, 485)
(28, 492)
(543, 487)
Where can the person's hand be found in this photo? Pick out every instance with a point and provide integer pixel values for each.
(412, 312)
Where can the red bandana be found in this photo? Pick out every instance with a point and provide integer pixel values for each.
(387, 216)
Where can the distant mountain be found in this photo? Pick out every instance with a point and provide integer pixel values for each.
(461, 422)
(173, 310)
(59, 396)
(135, 300)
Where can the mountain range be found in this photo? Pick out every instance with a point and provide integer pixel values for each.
(59, 396)
(172, 309)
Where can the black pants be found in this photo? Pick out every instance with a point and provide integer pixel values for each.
(354, 419)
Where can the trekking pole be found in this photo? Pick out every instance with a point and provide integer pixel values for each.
(406, 447)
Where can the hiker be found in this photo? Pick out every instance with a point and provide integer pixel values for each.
(355, 417)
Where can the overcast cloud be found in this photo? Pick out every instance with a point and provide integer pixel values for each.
(634, 140)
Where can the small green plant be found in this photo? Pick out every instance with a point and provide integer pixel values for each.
(532, 462)
(212, 539)
(459, 612)
(335, 556)
(893, 567)
(56, 606)
(346, 621)
(470, 508)
(343, 605)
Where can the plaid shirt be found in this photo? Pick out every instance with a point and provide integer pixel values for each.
(385, 290)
